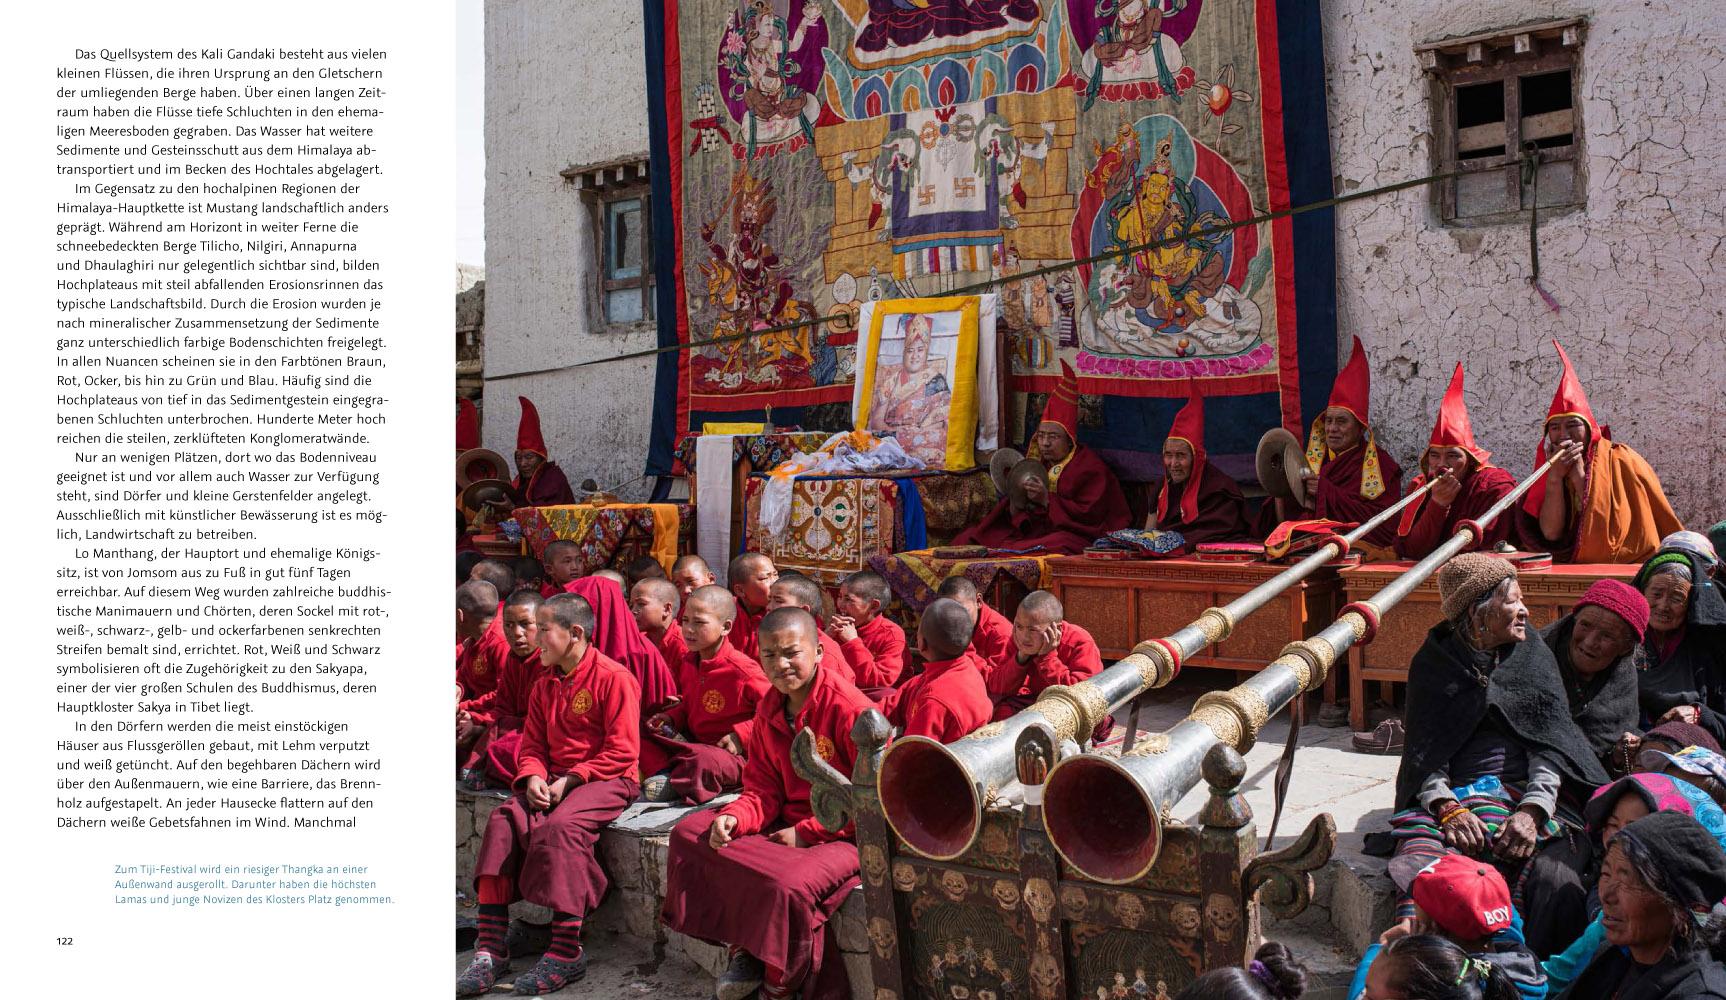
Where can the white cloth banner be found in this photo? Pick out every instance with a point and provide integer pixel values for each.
(714, 475)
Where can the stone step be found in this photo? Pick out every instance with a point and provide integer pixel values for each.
(1329, 964)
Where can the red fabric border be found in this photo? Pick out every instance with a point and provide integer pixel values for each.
(1282, 230)
(674, 142)
(1164, 388)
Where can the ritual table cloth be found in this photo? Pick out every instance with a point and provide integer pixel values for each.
(916, 575)
(837, 524)
(1549, 595)
(611, 535)
(764, 451)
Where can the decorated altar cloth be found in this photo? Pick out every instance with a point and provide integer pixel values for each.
(764, 451)
(612, 535)
(916, 575)
(809, 158)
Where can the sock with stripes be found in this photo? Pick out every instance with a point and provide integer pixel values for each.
(563, 962)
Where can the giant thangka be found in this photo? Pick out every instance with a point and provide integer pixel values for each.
(815, 156)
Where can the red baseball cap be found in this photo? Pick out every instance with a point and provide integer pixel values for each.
(1468, 899)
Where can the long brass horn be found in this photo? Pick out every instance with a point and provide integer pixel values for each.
(1105, 812)
(934, 795)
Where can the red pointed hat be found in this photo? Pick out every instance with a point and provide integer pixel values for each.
(1453, 429)
(1062, 409)
(1568, 401)
(1189, 426)
(1353, 385)
(527, 435)
(466, 425)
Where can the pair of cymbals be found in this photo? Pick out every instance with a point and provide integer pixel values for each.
(497, 495)
(1282, 467)
(1009, 470)
(478, 464)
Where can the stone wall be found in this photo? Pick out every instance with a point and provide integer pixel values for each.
(565, 85)
(633, 851)
(1639, 274)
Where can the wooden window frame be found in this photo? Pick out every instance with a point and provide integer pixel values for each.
(1505, 57)
(608, 284)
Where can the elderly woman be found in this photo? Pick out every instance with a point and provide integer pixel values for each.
(1686, 643)
(1613, 808)
(1662, 876)
(1599, 648)
(1495, 765)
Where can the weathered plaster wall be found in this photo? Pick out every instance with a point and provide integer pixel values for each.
(1640, 274)
(565, 84)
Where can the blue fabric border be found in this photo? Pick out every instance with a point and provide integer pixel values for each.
(662, 440)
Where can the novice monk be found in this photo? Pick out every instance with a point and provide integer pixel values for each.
(689, 572)
(529, 573)
(562, 564)
(504, 709)
(720, 688)
(794, 590)
(653, 602)
(761, 875)
(872, 643)
(495, 572)
(480, 653)
(1049, 651)
(750, 577)
(991, 633)
(615, 576)
(642, 569)
(579, 751)
(947, 700)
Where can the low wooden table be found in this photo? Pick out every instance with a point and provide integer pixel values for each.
(1549, 595)
(1124, 602)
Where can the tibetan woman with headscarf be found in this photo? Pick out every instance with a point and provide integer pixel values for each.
(1467, 484)
(1685, 675)
(1494, 764)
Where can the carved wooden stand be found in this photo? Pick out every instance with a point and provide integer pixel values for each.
(1009, 918)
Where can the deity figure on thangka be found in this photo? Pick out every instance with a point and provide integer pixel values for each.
(769, 72)
(916, 24)
(1133, 48)
(747, 284)
(1180, 293)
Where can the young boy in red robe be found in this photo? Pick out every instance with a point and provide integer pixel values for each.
(504, 710)
(690, 572)
(761, 875)
(495, 572)
(991, 631)
(794, 590)
(562, 560)
(579, 750)
(720, 688)
(750, 577)
(480, 653)
(948, 699)
(1049, 651)
(641, 569)
(872, 643)
(653, 602)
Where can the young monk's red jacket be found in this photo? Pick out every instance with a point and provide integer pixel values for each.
(479, 662)
(944, 702)
(1073, 659)
(585, 723)
(719, 695)
(992, 641)
(877, 655)
(504, 707)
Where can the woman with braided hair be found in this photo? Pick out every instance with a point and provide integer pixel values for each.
(1429, 967)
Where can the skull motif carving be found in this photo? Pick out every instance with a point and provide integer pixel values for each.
(1040, 897)
(882, 937)
(1006, 893)
(1045, 971)
(874, 864)
(1222, 915)
(1131, 911)
(953, 885)
(904, 876)
(1073, 900)
(1185, 917)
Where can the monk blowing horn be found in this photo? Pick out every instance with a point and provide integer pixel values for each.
(933, 795)
(1104, 813)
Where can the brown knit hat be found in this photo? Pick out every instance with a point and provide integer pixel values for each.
(1467, 578)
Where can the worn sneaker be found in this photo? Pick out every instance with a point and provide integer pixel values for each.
(657, 788)
(549, 976)
(741, 978)
(481, 974)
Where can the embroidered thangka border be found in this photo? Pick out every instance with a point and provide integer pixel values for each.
(810, 157)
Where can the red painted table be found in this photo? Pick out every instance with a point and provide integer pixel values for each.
(1548, 593)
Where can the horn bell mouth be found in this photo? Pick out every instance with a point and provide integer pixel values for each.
(1101, 820)
(930, 799)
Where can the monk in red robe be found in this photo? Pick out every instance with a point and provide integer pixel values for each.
(948, 700)
(480, 653)
(702, 737)
(503, 710)
(750, 577)
(991, 632)
(1049, 651)
(794, 590)
(562, 559)
(1350, 478)
(579, 749)
(1467, 484)
(1600, 502)
(616, 635)
(1196, 498)
(762, 876)
(1082, 502)
(872, 643)
(690, 572)
(654, 604)
(538, 482)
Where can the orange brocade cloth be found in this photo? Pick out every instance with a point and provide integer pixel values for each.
(1626, 512)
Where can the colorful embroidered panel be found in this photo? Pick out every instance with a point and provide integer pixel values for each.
(809, 157)
(837, 525)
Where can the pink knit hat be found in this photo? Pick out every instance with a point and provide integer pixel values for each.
(1621, 599)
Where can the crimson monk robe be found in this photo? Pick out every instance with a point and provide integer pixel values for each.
(946, 701)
